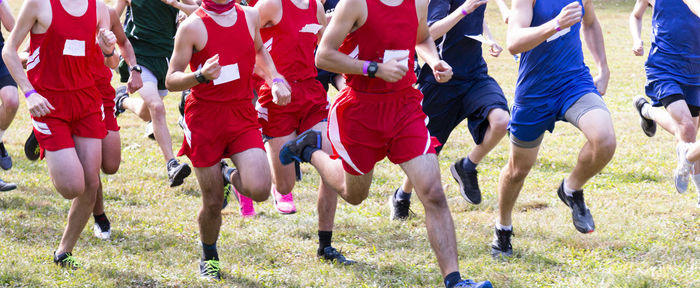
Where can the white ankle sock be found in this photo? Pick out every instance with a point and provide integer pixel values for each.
(568, 191)
(2, 132)
(647, 111)
(501, 227)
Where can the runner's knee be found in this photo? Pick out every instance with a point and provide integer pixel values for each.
(499, 121)
(434, 196)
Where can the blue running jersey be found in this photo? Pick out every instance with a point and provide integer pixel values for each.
(329, 5)
(461, 52)
(553, 71)
(675, 44)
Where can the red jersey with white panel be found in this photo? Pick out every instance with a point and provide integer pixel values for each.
(387, 34)
(220, 119)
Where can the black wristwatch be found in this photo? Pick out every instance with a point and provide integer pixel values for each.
(136, 68)
(372, 69)
(110, 54)
(200, 78)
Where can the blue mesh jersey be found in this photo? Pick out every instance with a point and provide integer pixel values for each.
(461, 52)
(675, 44)
(553, 71)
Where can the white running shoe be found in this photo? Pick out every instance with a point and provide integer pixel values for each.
(681, 175)
(104, 235)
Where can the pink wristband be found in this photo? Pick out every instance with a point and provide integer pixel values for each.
(558, 27)
(365, 67)
(278, 80)
(30, 92)
(464, 11)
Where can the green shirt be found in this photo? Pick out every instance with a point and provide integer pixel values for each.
(150, 26)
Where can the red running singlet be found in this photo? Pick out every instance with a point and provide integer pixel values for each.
(236, 51)
(293, 40)
(380, 40)
(61, 59)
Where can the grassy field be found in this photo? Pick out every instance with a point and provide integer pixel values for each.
(647, 234)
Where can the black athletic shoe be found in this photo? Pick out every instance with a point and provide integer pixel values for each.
(102, 228)
(5, 159)
(66, 260)
(648, 125)
(118, 99)
(400, 209)
(501, 243)
(294, 149)
(468, 182)
(210, 269)
(583, 220)
(183, 99)
(226, 171)
(332, 255)
(4, 186)
(31, 148)
(177, 172)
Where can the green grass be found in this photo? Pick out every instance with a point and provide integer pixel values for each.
(647, 235)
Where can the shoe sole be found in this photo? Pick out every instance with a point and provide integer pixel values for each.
(8, 187)
(500, 254)
(30, 147)
(99, 234)
(181, 175)
(280, 211)
(455, 175)
(286, 156)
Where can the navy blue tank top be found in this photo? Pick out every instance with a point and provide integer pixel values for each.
(556, 65)
(464, 54)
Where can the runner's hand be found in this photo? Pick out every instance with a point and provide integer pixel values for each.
(570, 15)
(442, 72)
(211, 69)
(38, 105)
(169, 2)
(471, 5)
(496, 49)
(601, 82)
(24, 58)
(392, 71)
(135, 82)
(106, 40)
(638, 48)
(281, 92)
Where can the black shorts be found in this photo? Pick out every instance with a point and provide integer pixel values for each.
(448, 105)
(326, 78)
(694, 110)
(7, 80)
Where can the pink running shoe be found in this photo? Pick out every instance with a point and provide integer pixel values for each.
(284, 203)
(246, 205)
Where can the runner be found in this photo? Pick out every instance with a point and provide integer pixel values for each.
(111, 144)
(554, 85)
(150, 27)
(220, 119)
(8, 95)
(378, 117)
(459, 28)
(62, 99)
(673, 78)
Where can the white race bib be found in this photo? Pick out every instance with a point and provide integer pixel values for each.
(74, 48)
(559, 34)
(397, 54)
(228, 73)
(311, 28)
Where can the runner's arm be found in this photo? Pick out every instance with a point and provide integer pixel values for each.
(636, 26)
(593, 35)
(187, 6)
(25, 20)
(8, 21)
(135, 82)
(503, 7)
(177, 79)
(521, 37)
(120, 5)
(441, 22)
(328, 58)
(321, 16)
(425, 48)
(694, 6)
(494, 49)
(106, 38)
